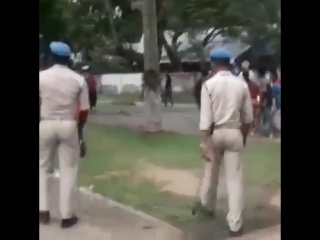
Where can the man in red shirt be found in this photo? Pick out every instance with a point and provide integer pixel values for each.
(255, 97)
(92, 86)
(91, 80)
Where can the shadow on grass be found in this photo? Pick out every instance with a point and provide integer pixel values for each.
(115, 155)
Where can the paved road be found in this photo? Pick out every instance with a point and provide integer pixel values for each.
(179, 119)
(182, 118)
(102, 219)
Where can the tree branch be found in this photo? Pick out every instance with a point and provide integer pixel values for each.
(110, 12)
(131, 56)
(175, 37)
(210, 36)
(161, 25)
(214, 36)
(172, 55)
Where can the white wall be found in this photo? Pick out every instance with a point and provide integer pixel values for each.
(131, 82)
(120, 80)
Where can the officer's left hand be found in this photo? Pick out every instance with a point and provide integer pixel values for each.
(205, 152)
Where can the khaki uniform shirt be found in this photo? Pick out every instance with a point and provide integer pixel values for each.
(61, 91)
(225, 101)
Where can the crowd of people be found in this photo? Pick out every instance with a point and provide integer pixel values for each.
(265, 91)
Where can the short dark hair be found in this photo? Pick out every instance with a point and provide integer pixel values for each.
(205, 72)
(71, 64)
(225, 62)
(63, 60)
(261, 71)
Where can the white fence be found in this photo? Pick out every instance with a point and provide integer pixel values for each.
(131, 82)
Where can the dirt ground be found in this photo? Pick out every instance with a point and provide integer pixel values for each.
(186, 183)
(178, 181)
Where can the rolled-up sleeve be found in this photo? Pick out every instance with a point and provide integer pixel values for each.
(84, 96)
(205, 110)
(246, 110)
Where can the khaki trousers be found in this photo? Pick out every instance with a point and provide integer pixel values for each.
(227, 146)
(52, 158)
(60, 136)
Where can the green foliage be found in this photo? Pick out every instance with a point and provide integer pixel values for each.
(51, 14)
(263, 27)
(93, 24)
(204, 14)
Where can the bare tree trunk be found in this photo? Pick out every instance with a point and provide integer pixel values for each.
(152, 111)
(175, 61)
(151, 62)
(110, 17)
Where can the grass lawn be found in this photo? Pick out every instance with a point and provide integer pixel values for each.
(130, 98)
(115, 154)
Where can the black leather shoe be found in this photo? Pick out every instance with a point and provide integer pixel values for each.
(69, 222)
(199, 208)
(44, 217)
(238, 233)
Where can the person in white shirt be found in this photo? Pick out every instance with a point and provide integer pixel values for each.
(245, 67)
(226, 116)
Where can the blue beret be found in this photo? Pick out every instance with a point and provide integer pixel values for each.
(217, 54)
(60, 49)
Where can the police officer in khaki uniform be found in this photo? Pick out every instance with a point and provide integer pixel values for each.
(61, 90)
(226, 106)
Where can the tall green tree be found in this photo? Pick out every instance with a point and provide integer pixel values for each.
(107, 26)
(264, 27)
(52, 24)
(207, 18)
